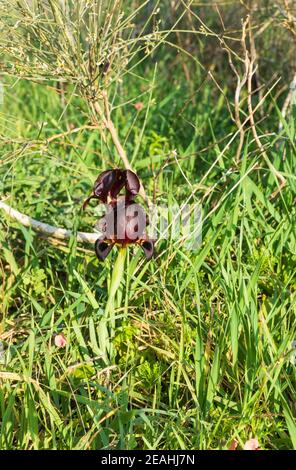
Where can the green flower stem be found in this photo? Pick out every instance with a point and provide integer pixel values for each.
(107, 325)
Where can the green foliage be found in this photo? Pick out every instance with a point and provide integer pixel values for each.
(202, 342)
(34, 282)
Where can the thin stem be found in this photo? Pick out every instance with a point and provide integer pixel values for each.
(107, 324)
(105, 117)
(46, 229)
(116, 279)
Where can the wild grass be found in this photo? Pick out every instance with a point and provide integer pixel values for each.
(204, 339)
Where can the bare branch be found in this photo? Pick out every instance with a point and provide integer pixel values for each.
(240, 83)
(289, 100)
(105, 117)
(46, 229)
(251, 55)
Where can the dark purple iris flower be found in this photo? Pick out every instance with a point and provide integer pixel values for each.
(109, 184)
(125, 221)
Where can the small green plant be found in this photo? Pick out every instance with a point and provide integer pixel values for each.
(34, 281)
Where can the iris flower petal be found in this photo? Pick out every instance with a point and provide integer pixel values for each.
(104, 184)
(102, 249)
(132, 183)
(148, 248)
(124, 222)
(110, 183)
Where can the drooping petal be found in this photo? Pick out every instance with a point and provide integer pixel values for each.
(104, 184)
(103, 248)
(101, 187)
(109, 184)
(118, 184)
(135, 222)
(132, 183)
(148, 248)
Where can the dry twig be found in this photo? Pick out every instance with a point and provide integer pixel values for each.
(46, 229)
(251, 60)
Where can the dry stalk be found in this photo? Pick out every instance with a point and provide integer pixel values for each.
(289, 100)
(46, 229)
(251, 60)
(240, 83)
(106, 120)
